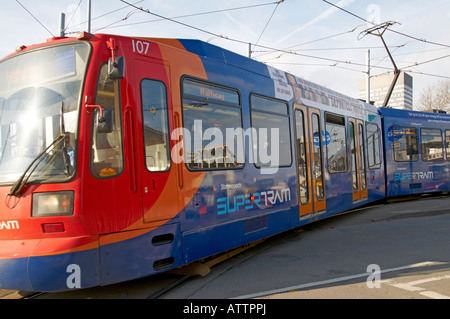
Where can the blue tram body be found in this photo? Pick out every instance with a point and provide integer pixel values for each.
(222, 215)
(273, 152)
(417, 147)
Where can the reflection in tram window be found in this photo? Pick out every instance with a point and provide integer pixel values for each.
(373, 146)
(106, 149)
(337, 146)
(447, 143)
(406, 146)
(210, 111)
(317, 156)
(155, 125)
(270, 117)
(301, 157)
(351, 129)
(362, 156)
(431, 144)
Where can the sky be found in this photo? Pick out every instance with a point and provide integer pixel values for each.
(319, 42)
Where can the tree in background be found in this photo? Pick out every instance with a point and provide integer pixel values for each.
(435, 97)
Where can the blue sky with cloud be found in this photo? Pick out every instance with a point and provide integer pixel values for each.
(324, 40)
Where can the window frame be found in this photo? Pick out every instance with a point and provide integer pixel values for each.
(305, 159)
(394, 148)
(93, 131)
(319, 189)
(168, 142)
(344, 125)
(237, 106)
(447, 144)
(287, 116)
(422, 146)
(376, 158)
(352, 136)
(362, 155)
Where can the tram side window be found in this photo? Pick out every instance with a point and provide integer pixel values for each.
(337, 146)
(317, 173)
(362, 156)
(352, 137)
(213, 135)
(301, 156)
(155, 125)
(431, 142)
(270, 119)
(106, 148)
(406, 147)
(373, 146)
(447, 143)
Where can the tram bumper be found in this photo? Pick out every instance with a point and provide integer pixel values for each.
(50, 264)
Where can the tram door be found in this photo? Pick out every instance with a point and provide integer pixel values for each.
(358, 158)
(309, 161)
(157, 176)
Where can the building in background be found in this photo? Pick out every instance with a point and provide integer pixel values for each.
(402, 96)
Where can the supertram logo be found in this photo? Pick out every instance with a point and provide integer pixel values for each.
(413, 176)
(9, 224)
(254, 200)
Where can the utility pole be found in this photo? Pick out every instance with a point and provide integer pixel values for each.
(368, 78)
(89, 16)
(62, 25)
(384, 26)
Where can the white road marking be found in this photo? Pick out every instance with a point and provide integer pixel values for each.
(434, 295)
(412, 286)
(332, 281)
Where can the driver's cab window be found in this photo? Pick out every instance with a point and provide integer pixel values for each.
(106, 148)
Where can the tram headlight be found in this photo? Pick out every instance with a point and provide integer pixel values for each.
(52, 204)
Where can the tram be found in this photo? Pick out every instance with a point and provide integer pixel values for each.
(417, 152)
(122, 157)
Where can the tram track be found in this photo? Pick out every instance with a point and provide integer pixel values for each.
(144, 288)
(202, 269)
(162, 286)
(170, 287)
(35, 295)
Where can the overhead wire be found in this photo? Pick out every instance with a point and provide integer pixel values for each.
(308, 42)
(318, 64)
(325, 38)
(74, 12)
(187, 25)
(228, 38)
(129, 14)
(394, 31)
(429, 74)
(399, 33)
(98, 17)
(414, 52)
(246, 42)
(187, 15)
(271, 16)
(35, 18)
(428, 61)
(272, 50)
(239, 41)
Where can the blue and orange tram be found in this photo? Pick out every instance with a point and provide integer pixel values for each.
(121, 157)
(417, 152)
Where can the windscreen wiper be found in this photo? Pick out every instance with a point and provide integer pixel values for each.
(16, 189)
